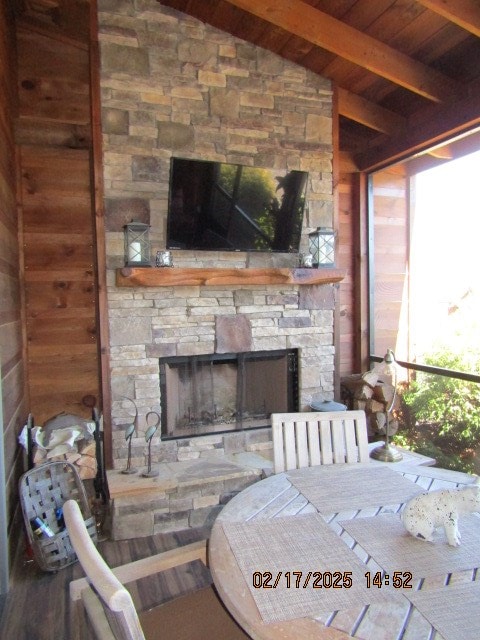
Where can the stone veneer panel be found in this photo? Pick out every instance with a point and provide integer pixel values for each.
(173, 86)
(233, 334)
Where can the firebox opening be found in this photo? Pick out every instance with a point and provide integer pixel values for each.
(226, 392)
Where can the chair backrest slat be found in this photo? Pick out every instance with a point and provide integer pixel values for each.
(314, 443)
(278, 442)
(351, 451)
(290, 445)
(326, 442)
(116, 600)
(338, 441)
(302, 443)
(313, 438)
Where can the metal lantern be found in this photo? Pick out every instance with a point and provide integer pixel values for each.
(322, 247)
(137, 244)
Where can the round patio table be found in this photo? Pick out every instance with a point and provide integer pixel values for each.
(341, 524)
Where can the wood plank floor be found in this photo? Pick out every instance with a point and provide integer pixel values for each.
(36, 606)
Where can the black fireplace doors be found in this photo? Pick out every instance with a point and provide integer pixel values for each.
(226, 392)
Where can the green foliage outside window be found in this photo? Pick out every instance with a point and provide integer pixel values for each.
(441, 415)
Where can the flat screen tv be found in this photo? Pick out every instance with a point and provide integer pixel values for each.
(231, 207)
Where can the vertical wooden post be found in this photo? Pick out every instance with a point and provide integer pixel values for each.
(4, 560)
(361, 283)
(335, 181)
(98, 193)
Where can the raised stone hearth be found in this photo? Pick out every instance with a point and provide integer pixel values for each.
(184, 494)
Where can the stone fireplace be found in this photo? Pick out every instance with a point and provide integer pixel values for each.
(171, 333)
(173, 86)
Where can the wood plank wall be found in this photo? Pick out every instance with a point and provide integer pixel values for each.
(347, 212)
(58, 224)
(391, 234)
(12, 366)
(59, 281)
(389, 324)
(353, 258)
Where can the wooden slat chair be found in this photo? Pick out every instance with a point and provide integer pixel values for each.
(314, 438)
(102, 599)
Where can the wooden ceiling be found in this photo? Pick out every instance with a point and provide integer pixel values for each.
(406, 73)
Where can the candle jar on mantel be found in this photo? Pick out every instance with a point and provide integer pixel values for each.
(137, 244)
(163, 259)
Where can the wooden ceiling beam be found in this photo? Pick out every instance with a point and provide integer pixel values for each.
(456, 149)
(346, 162)
(432, 126)
(42, 5)
(321, 29)
(360, 110)
(464, 13)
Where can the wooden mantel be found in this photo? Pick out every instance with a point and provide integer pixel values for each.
(178, 276)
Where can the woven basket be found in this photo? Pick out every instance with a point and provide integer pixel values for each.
(43, 490)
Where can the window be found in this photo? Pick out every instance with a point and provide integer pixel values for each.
(425, 231)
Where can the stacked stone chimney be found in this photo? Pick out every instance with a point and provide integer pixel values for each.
(173, 86)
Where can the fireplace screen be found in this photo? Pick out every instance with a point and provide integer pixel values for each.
(228, 392)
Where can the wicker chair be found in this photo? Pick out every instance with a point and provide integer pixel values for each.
(43, 491)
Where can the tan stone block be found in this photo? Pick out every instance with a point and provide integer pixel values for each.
(213, 488)
(318, 128)
(141, 503)
(267, 344)
(180, 504)
(236, 71)
(293, 119)
(117, 172)
(211, 78)
(260, 446)
(227, 51)
(174, 135)
(247, 149)
(212, 453)
(257, 100)
(206, 440)
(206, 501)
(188, 455)
(239, 133)
(155, 98)
(190, 93)
(117, 58)
(237, 484)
